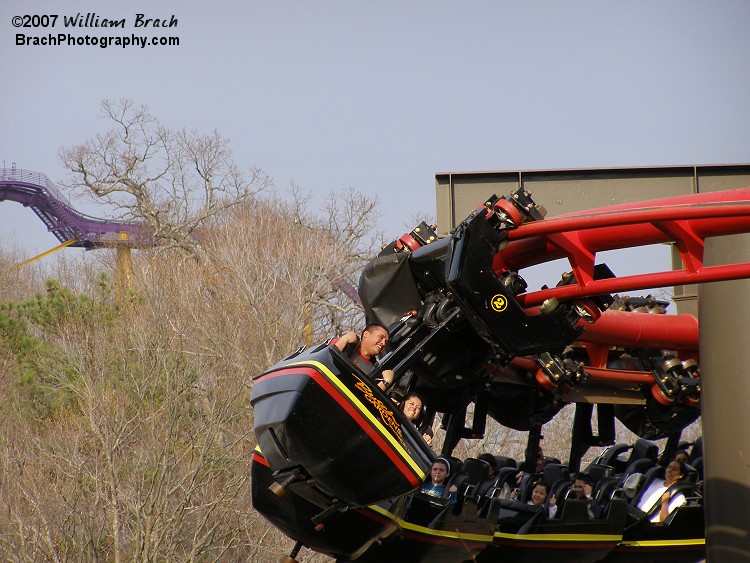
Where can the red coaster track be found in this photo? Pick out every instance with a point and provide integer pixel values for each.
(685, 221)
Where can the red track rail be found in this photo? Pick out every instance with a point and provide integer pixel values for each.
(685, 220)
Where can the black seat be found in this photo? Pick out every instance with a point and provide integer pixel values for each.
(606, 483)
(696, 451)
(423, 509)
(639, 466)
(560, 490)
(643, 449)
(607, 488)
(697, 464)
(692, 475)
(599, 471)
(513, 515)
(455, 464)
(492, 487)
(573, 511)
(501, 477)
(554, 472)
(683, 445)
(654, 473)
(613, 456)
(473, 471)
(505, 461)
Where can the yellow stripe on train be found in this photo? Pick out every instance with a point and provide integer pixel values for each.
(361, 408)
(664, 543)
(486, 538)
(560, 537)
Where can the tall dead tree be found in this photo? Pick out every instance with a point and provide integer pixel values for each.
(173, 181)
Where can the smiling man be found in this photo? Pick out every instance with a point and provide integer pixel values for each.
(363, 351)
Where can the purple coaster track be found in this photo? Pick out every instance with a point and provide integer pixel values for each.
(35, 190)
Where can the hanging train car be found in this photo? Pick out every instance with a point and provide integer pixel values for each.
(339, 468)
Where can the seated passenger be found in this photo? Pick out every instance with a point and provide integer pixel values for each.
(436, 485)
(658, 493)
(538, 495)
(538, 467)
(492, 474)
(491, 462)
(363, 351)
(413, 408)
(681, 455)
(582, 488)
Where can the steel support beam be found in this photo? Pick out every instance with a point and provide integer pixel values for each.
(725, 357)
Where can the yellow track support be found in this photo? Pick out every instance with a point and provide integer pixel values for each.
(124, 279)
(46, 253)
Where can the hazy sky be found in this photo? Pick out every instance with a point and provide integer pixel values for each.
(382, 95)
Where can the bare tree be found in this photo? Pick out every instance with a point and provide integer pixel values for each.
(347, 240)
(14, 280)
(147, 457)
(174, 181)
(286, 276)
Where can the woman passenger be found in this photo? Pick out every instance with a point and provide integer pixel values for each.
(413, 407)
(658, 492)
